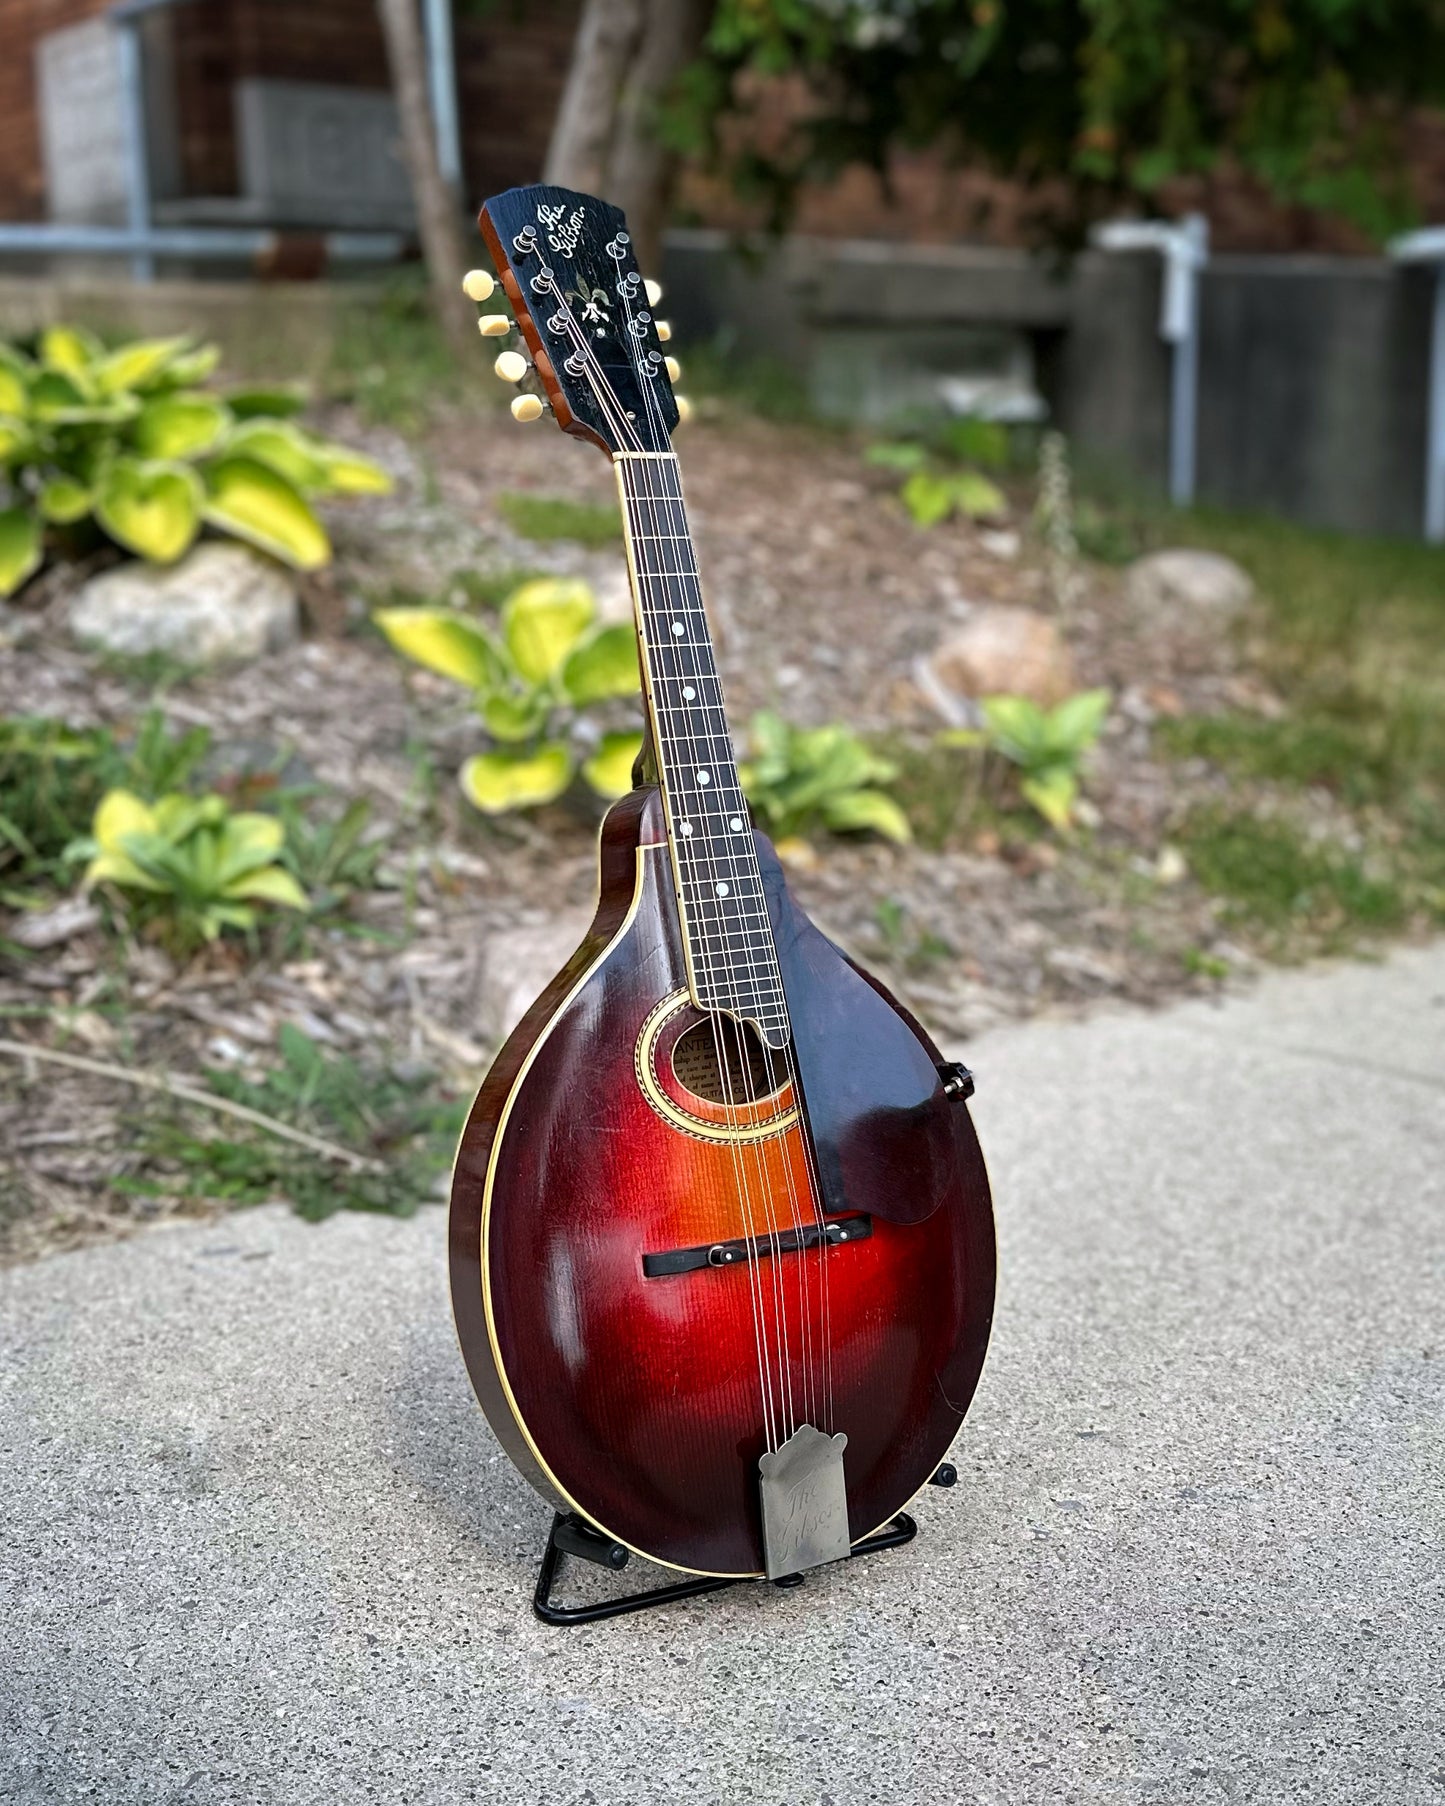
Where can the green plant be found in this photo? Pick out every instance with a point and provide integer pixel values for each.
(331, 857)
(406, 1126)
(1094, 105)
(931, 491)
(390, 359)
(1273, 877)
(533, 683)
(545, 517)
(52, 776)
(905, 944)
(1047, 746)
(129, 444)
(802, 778)
(199, 868)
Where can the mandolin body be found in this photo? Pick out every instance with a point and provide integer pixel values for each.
(624, 1382)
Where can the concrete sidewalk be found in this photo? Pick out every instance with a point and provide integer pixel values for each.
(258, 1547)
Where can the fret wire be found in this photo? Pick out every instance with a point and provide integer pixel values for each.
(668, 592)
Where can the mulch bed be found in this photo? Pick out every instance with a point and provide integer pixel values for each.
(824, 596)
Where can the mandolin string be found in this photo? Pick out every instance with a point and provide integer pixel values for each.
(690, 648)
(742, 869)
(698, 849)
(616, 417)
(618, 420)
(814, 1182)
(726, 1023)
(748, 869)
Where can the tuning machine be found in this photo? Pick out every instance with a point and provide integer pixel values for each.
(526, 408)
(511, 366)
(478, 285)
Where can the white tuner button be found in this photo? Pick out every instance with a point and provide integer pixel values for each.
(494, 326)
(684, 408)
(511, 366)
(477, 285)
(664, 330)
(526, 407)
(654, 292)
(674, 369)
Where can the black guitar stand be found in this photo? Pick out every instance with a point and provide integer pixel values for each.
(571, 1535)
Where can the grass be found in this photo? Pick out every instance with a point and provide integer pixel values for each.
(1351, 634)
(409, 1125)
(1272, 878)
(52, 776)
(549, 517)
(391, 361)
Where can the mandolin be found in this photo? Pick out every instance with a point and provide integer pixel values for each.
(721, 1241)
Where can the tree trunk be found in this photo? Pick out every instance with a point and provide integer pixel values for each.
(626, 55)
(437, 208)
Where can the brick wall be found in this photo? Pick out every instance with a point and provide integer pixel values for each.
(512, 64)
(22, 25)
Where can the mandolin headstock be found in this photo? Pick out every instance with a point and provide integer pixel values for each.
(567, 266)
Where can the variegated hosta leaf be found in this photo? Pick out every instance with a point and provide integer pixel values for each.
(499, 781)
(14, 392)
(609, 770)
(278, 403)
(281, 447)
(57, 399)
(69, 348)
(247, 841)
(270, 884)
(247, 499)
(348, 473)
(180, 425)
(508, 716)
(20, 548)
(151, 509)
(138, 365)
(855, 809)
(603, 665)
(63, 500)
(542, 621)
(445, 642)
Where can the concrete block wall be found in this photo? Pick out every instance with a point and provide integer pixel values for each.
(1313, 370)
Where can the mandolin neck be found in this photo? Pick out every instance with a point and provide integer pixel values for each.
(731, 959)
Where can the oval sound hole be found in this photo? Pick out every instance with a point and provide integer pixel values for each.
(722, 1060)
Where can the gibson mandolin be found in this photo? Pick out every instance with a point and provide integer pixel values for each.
(721, 1241)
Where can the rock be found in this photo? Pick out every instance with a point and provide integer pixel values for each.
(517, 965)
(1002, 650)
(1173, 584)
(221, 603)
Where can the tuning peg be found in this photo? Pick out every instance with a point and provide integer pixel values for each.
(477, 285)
(494, 326)
(684, 408)
(527, 407)
(654, 292)
(674, 369)
(511, 366)
(664, 330)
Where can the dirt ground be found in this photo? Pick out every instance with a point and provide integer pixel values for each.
(824, 598)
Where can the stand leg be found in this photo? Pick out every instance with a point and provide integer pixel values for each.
(572, 1536)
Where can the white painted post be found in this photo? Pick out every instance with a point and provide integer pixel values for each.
(1184, 246)
(130, 57)
(442, 80)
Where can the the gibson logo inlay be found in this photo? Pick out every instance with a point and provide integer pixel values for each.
(562, 233)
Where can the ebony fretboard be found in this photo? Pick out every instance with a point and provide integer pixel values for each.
(731, 958)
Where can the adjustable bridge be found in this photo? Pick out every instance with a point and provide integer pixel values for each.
(757, 1247)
